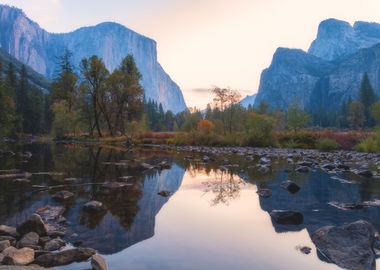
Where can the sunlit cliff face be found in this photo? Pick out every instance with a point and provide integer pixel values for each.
(206, 43)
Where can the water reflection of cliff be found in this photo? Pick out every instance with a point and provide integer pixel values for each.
(131, 214)
(131, 211)
(318, 189)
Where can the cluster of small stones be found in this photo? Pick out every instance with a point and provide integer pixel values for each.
(36, 245)
(304, 160)
(39, 243)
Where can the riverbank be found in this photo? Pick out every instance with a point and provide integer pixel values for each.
(325, 140)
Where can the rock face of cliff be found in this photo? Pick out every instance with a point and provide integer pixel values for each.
(329, 73)
(30, 44)
(248, 100)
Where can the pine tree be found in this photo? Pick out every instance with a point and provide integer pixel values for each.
(367, 98)
(22, 102)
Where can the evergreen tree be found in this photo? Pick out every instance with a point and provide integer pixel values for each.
(65, 83)
(22, 102)
(367, 98)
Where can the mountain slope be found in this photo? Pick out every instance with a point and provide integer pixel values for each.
(329, 73)
(290, 78)
(248, 100)
(29, 43)
(34, 78)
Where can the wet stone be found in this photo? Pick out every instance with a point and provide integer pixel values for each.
(286, 217)
(63, 195)
(33, 224)
(65, 257)
(13, 256)
(30, 240)
(98, 263)
(54, 244)
(290, 186)
(164, 193)
(264, 192)
(94, 206)
(4, 244)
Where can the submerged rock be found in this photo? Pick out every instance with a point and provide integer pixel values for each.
(94, 206)
(348, 206)
(33, 224)
(98, 263)
(264, 161)
(13, 256)
(348, 246)
(286, 217)
(305, 250)
(63, 195)
(164, 193)
(65, 257)
(145, 167)
(49, 212)
(290, 186)
(365, 173)
(164, 165)
(303, 169)
(264, 192)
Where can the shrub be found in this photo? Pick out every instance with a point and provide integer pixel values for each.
(205, 126)
(197, 138)
(260, 130)
(371, 144)
(297, 140)
(327, 145)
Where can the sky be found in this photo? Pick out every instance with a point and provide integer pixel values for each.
(206, 43)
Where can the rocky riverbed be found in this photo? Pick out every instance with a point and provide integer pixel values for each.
(84, 202)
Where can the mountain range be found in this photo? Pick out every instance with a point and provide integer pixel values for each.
(330, 73)
(30, 44)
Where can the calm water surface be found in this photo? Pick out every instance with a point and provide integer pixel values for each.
(214, 220)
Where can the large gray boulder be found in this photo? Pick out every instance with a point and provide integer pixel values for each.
(348, 246)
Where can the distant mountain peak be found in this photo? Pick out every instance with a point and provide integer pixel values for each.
(329, 73)
(337, 39)
(333, 28)
(32, 45)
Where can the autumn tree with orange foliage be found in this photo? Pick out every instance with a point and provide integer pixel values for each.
(205, 126)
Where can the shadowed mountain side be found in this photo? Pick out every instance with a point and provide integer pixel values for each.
(317, 191)
(131, 215)
(329, 74)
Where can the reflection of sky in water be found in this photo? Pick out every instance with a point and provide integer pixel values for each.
(213, 221)
(192, 234)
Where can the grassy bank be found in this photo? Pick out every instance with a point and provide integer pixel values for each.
(325, 140)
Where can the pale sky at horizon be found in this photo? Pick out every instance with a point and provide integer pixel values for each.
(202, 43)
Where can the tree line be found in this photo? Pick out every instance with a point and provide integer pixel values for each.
(22, 105)
(96, 102)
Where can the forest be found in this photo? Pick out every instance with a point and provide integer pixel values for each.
(95, 103)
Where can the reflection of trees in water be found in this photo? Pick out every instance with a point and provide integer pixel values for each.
(226, 187)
